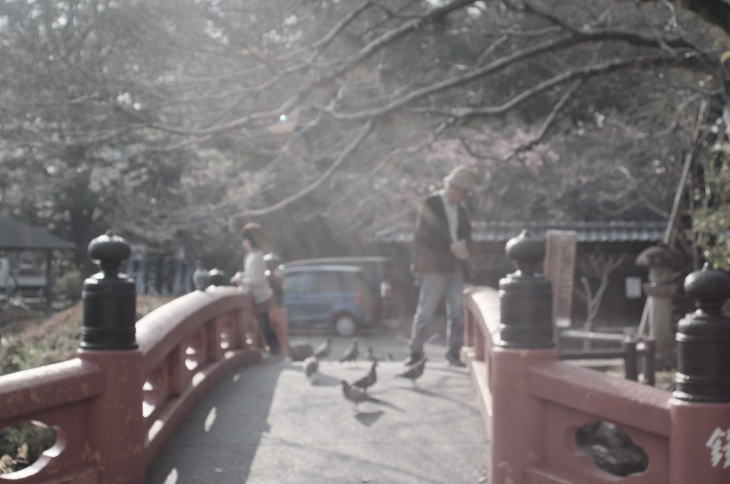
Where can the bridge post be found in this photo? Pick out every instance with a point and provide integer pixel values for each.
(115, 426)
(525, 339)
(217, 277)
(700, 405)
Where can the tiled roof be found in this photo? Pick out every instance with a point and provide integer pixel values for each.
(617, 231)
(18, 235)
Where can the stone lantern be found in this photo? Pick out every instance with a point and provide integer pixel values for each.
(662, 263)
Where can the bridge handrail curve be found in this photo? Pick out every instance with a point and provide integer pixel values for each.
(560, 397)
(35, 390)
(613, 399)
(534, 403)
(71, 396)
(482, 309)
(160, 331)
(166, 337)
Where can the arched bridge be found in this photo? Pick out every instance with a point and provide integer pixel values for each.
(187, 397)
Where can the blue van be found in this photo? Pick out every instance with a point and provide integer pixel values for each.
(379, 276)
(330, 297)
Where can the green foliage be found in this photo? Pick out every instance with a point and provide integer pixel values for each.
(42, 342)
(54, 339)
(68, 286)
(24, 442)
(711, 223)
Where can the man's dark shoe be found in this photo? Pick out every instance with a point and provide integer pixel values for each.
(413, 359)
(454, 361)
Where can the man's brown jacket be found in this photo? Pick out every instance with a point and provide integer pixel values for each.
(432, 241)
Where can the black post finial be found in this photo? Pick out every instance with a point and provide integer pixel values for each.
(217, 277)
(703, 340)
(109, 298)
(526, 252)
(109, 251)
(526, 297)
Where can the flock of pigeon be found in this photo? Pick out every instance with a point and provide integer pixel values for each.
(357, 391)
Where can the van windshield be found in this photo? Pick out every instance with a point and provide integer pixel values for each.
(328, 282)
(319, 282)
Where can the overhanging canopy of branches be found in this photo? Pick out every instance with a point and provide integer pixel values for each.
(172, 116)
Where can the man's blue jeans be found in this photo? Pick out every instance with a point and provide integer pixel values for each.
(434, 287)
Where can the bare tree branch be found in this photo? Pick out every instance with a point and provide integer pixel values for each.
(631, 179)
(320, 45)
(598, 265)
(580, 73)
(364, 53)
(542, 130)
(362, 135)
(396, 33)
(575, 37)
(392, 13)
(258, 212)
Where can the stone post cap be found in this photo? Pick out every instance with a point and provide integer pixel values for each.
(703, 340)
(109, 251)
(109, 298)
(659, 256)
(216, 277)
(526, 251)
(525, 297)
(709, 287)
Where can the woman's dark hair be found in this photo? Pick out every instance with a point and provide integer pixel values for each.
(254, 234)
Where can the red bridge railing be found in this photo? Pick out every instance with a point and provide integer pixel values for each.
(481, 321)
(120, 399)
(186, 346)
(534, 404)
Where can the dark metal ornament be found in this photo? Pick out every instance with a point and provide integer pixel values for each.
(703, 340)
(109, 298)
(526, 297)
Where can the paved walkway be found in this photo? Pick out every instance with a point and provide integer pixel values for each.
(266, 424)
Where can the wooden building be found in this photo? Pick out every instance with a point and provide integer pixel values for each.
(599, 244)
(26, 254)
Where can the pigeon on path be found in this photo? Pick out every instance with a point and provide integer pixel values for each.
(355, 395)
(414, 372)
(371, 354)
(368, 380)
(323, 350)
(351, 353)
(311, 366)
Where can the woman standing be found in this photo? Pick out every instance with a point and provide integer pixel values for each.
(254, 279)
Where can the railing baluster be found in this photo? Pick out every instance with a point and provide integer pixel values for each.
(650, 362)
(178, 372)
(631, 370)
(479, 345)
(469, 328)
(214, 328)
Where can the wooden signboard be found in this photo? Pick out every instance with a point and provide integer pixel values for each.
(559, 269)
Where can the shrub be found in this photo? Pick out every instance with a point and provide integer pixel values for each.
(23, 443)
(68, 286)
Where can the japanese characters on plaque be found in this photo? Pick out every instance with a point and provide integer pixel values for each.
(559, 268)
(719, 445)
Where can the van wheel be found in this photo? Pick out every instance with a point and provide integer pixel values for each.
(345, 325)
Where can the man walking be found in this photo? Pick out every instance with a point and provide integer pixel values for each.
(441, 246)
